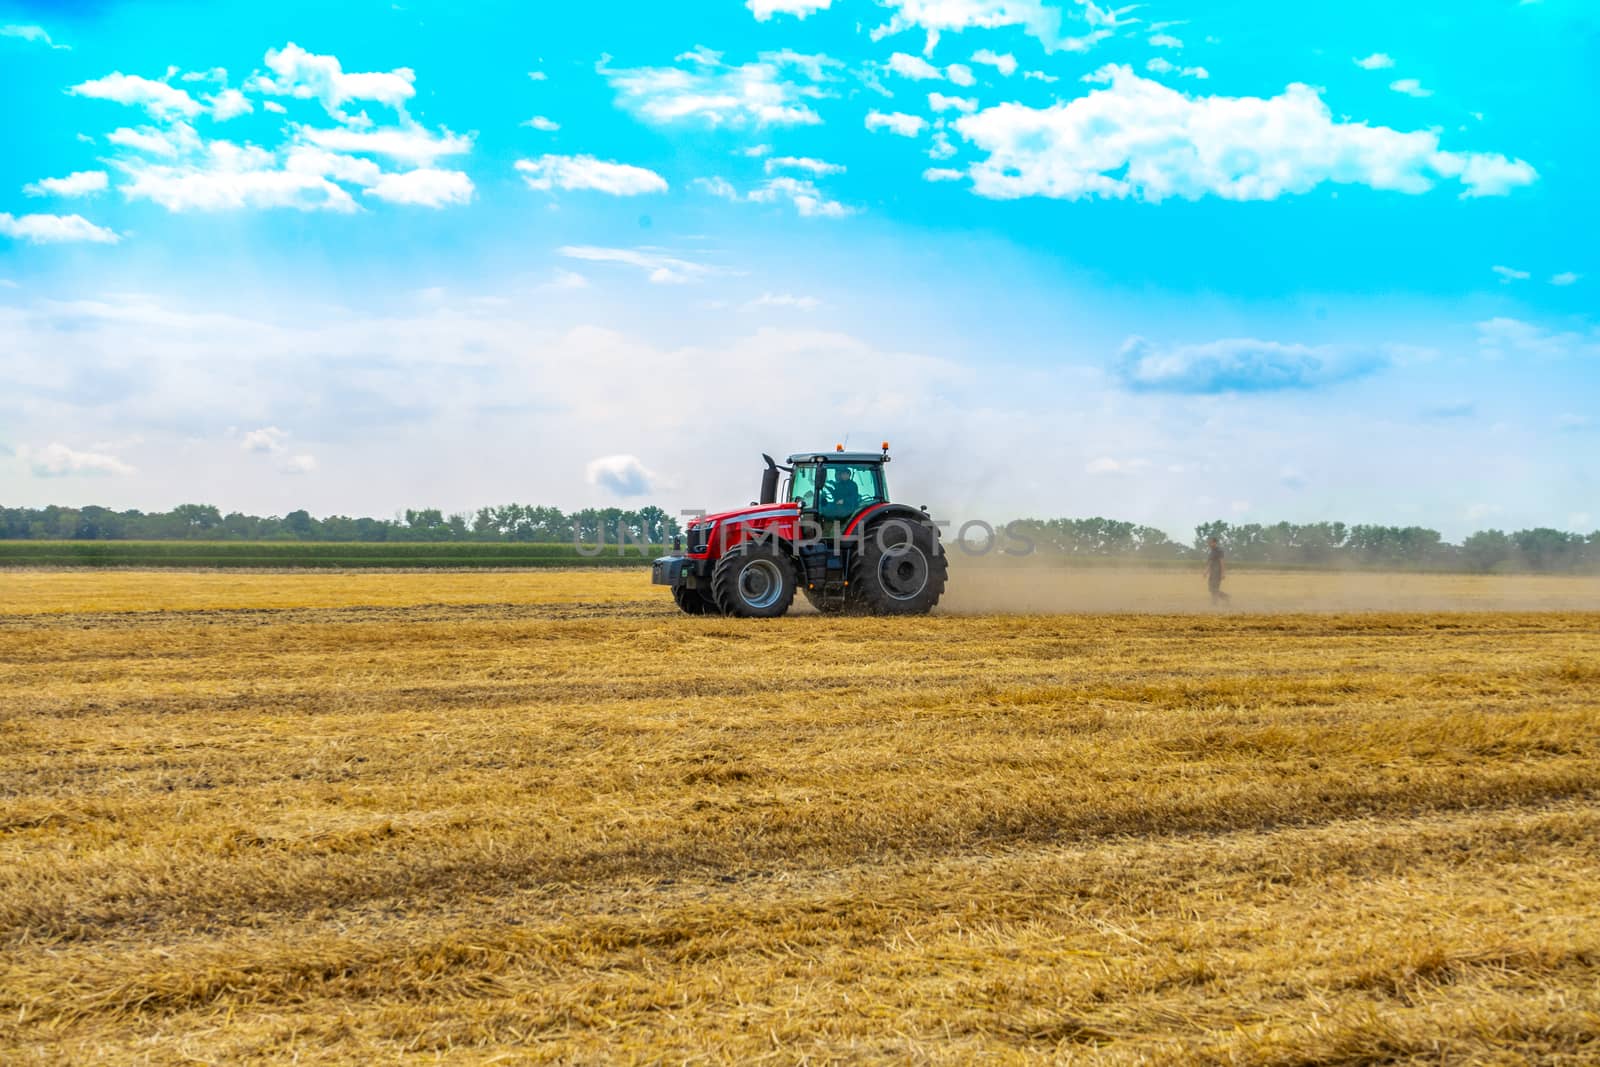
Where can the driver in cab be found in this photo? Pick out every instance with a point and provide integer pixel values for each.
(840, 493)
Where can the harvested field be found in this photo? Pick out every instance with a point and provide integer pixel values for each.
(256, 555)
(541, 817)
(1041, 588)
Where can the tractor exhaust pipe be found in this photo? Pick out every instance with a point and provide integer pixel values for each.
(769, 481)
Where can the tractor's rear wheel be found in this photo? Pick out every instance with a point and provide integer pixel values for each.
(900, 570)
(754, 582)
(690, 602)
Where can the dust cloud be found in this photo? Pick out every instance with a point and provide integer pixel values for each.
(1045, 588)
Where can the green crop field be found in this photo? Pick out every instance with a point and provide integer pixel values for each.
(312, 554)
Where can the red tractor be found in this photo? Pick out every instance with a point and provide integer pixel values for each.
(831, 533)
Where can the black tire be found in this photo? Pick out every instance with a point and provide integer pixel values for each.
(754, 582)
(690, 602)
(900, 570)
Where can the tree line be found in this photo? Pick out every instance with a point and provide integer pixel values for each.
(203, 522)
(1317, 544)
(1334, 543)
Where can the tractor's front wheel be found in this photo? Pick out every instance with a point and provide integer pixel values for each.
(900, 570)
(690, 602)
(754, 582)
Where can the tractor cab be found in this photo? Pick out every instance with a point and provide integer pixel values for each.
(835, 486)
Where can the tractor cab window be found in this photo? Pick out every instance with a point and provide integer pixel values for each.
(846, 488)
(803, 487)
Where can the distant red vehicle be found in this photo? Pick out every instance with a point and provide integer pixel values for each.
(831, 533)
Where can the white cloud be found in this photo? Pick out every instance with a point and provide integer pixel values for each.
(230, 104)
(765, 9)
(1110, 465)
(1037, 18)
(1112, 17)
(569, 279)
(179, 189)
(309, 159)
(587, 172)
(538, 76)
(54, 229)
(176, 139)
(1159, 65)
(622, 475)
(274, 107)
(1040, 76)
(1240, 365)
(1006, 64)
(941, 102)
(819, 167)
(942, 174)
(1507, 274)
(1499, 338)
(718, 186)
(79, 183)
(1376, 61)
(409, 144)
(219, 75)
(271, 441)
(306, 75)
(784, 300)
(914, 67)
(771, 92)
(1139, 138)
(1485, 174)
(35, 34)
(424, 187)
(1566, 277)
(156, 97)
(268, 439)
(539, 122)
(388, 393)
(58, 461)
(941, 147)
(896, 122)
(960, 75)
(173, 166)
(392, 390)
(227, 177)
(1410, 87)
(1165, 40)
(755, 151)
(661, 268)
(1086, 42)
(807, 199)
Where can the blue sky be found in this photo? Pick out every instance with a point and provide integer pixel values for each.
(1165, 262)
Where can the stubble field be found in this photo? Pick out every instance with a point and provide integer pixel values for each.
(529, 817)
